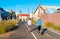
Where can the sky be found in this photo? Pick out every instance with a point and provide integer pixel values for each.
(23, 5)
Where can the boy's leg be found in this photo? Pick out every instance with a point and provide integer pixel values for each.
(39, 28)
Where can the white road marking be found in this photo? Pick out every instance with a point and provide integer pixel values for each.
(31, 32)
(33, 35)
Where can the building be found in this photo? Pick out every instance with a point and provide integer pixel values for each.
(38, 12)
(31, 15)
(3, 14)
(12, 14)
(23, 17)
(55, 7)
(58, 10)
(53, 18)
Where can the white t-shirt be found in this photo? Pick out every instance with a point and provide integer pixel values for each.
(29, 22)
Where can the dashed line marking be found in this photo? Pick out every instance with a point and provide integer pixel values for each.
(31, 32)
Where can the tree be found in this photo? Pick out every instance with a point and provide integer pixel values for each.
(4, 14)
(12, 15)
(20, 12)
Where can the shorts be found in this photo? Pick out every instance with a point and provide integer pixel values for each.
(39, 28)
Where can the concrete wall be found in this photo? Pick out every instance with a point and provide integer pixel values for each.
(54, 18)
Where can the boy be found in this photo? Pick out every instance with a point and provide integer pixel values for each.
(39, 24)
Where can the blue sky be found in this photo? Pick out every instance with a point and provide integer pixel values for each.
(24, 4)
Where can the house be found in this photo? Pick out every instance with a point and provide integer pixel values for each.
(12, 14)
(3, 14)
(53, 18)
(38, 12)
(23, 17)
(58, 10)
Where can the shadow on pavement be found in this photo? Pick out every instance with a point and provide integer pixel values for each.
(14, 28)
(43, 31)
(34, 29)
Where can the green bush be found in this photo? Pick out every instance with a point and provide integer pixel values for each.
(34, 21)
(56, 27)
(7, 25)
(2, 29)
(53, 26)
(49, 24)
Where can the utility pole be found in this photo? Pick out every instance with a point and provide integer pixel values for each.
(20, 12)
(16, 11)
(0, 16)
(32, 10)
(28, 7)
(39, 2)
(39, 8)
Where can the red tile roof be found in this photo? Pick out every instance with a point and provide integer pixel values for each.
(23, 14)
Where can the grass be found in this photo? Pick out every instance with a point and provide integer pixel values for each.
(49, 25)
(34, 21)
(53, 26)
(7, 25)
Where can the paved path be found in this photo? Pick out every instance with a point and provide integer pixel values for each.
(50, 33)
(22, 33)
(37, 34)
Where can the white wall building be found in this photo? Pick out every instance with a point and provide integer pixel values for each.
(38, 12)
(31, 15)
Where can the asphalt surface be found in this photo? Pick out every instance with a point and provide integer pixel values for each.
(49, 33)
(37, 34)
(22, 33)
